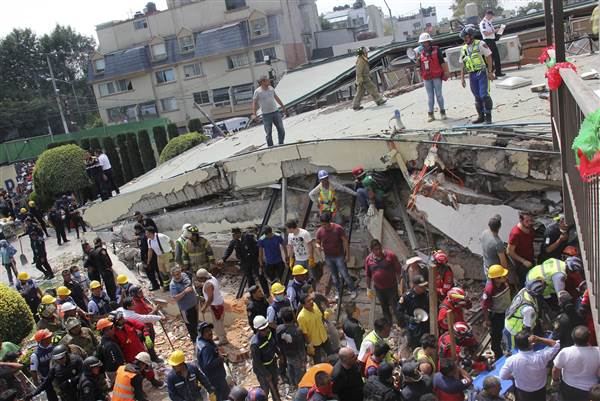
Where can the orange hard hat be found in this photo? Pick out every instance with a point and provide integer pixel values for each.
(42, 334)
(103, 323)
(308, 380)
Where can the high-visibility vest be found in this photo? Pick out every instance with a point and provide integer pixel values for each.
(514, 314)
(370, 362)
(374, 339)
(546, 270)
(430, 64)
(123, 390)
(327, 200)
(184, 251)
(473, 61)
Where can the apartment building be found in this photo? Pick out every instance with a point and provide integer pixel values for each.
(410, 26)
(209, 52)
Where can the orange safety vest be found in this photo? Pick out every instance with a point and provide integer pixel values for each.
(327, 200)
(370, 362)
(123, 390)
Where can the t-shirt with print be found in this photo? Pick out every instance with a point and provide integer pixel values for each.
(300, 243)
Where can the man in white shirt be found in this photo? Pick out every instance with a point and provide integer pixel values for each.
(266, 98)
(528, 368)
(160, 251)
(213, 300)
(107, 171)
(300, 246)
(577, 367)
(488, 33)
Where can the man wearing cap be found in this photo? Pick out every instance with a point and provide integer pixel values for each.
(279, 302)
(325, 193)
(209, 361)
(47, 312)
(488, 33)
(30, 292)
(160, 252)
(264, 352)
(257, 304)
(213, 300)
(99, 304)
(199, 251)
(434, 70)
(40, 257)
(492, 247)
(185, 382)
(294, 288)
(183, 293)
(101, 261)
(82, 337)
(40, 360)
(109, 351)
(494, 302)
(77, 292)
(413, 308)
(129, 379)
(382, 270)
(270, 247)
(123, 286)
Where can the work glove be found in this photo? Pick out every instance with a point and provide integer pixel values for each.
(212, 397)
(310, 350)
(371, 210)
(292, 261)
(370, 294)
(149, 343)
(311, 263)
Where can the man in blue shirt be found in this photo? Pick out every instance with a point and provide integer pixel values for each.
(182, 291)
(185, 382)
(210, 361)
(270, 246)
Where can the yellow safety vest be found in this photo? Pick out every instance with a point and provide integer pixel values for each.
(546, 270)
(374, 339)
(473, 61)
(327, 200)
(514, 314)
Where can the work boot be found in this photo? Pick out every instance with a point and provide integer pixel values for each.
(443, 114)
(382, 101)
(488, 117)
(480, 117)
(430, 117)
(357, 108)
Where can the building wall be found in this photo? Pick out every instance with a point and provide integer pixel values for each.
(332, 37)
(375, 20)
(411, 28)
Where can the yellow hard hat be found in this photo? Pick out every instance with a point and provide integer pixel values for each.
(176, 358)
(122, 279)
(48, 299)
(63, 291)
(31, 203)
(496, 271)
(277, 288)
(95, 284)
(298, 270)
(23, 210)
(23, 276)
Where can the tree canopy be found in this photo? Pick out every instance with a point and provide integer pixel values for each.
(458, 6)
(532, 5)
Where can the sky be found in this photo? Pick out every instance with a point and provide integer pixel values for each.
(83, 15)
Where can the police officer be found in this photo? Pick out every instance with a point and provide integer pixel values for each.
(280, 301)
(210, 361)
(92, 384)
(63, 376)
(523, 312)
(185, 382)
(257, 304)
(294, 288)
(263, 349)
(246, 252)
(40, 360)
(30, 292)
(415, 298)
(99, 258)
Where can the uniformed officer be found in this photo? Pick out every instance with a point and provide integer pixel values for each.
(100, 260)
(263, 348)
(92, 384)
(63, 375)
(257, 304)
(415, 298)
(200, 253)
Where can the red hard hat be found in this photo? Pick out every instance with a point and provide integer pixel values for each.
(440, 257)
(42, 334)
(570, 251)
(461, 329)
(456, 296)
(358, 171)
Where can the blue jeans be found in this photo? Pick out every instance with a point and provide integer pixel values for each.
(434, 86)
(295, 371)
(268, 120)
(338, 266)
(362, 195)
(478, 81)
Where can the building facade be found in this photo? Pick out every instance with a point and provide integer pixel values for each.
(410, 26)
(206, 52)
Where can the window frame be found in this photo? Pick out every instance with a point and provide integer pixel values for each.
(116, 87)
(246, 101)
(163, 71)
(162, 56)
(236, 5)
(200, 95)
(181, 47)
(262, 51)
(136, 22)
(100, 70)
(201, 68)
(253, 34)
(232, 66)
(223, 102)
(141, 107)
(170, 98)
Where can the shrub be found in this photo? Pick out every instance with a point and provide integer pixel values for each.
(160, 138)
(180, 144)
(115, 162)
(16, 320)
(85, 144)
(146, 150)
(172, 130)
(195, 125)
(41, 201)
(95, 143)
(124, 153)
(135, 159)
(53, 145)
(60, 170)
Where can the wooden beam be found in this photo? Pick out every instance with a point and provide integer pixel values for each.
(584, 95)
(450, 320)
(433, 303)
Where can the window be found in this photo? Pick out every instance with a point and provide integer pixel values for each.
(186, 43)
(259, 28)
(99, 65)
(140, 24)
(236, 61)
(122, 114)
(233, 4)
(221, 97)
(201, 97)
(123, 85)
(242, 93)
(148, 110)
(192, 70)
(164, 76)
(109, 88)
(159, 51)
(168, 104)
(259, 55)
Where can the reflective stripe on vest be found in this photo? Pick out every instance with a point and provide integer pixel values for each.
(123, 390)
(546, 270)
(327, 201)
(473, 61)
(264, 344)
(374, 339)
(514, 314)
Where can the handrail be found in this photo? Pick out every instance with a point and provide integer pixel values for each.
(586, 98)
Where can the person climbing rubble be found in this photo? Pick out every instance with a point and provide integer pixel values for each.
(456, 301)
(324, 195)
(370, 190)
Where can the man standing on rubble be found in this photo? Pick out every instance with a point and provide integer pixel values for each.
(363, 80)
(300, 247)
(183, 293)
(182, 257)
(209, 360)
(520, 245)
(160, 248)
(266, 98)
(100, 259)
(494, 251)
(213, 300)
(325, 195)
(270, 246)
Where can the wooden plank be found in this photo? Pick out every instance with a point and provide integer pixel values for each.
(450, 320)
(583, 94)
(433, 303)
(395, 153)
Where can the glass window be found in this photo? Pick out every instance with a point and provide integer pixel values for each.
(159, 51)
(236, 61)
(242, 93)
(164, 76)
(192, 70)
(168, 104)
(201, 97)
(258, 28)
(259, 55)
(99, 65)
(106, 88)
(122, 114)
(123, 85)
(148, 110)
(186, 43)
(140, 24)
(221, 96)
(233, 4)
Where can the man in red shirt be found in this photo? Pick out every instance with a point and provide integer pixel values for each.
(520, 246)
(332, 239)
(383, 268)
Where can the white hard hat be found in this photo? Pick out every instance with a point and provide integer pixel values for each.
(144, 357)
(424, 37)
(184, 230)
(67, 306)
(260, 322)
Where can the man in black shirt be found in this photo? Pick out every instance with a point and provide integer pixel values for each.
(257, 305)
(145, 221)
(415, 298)
(77, 292)
(352, 328)
(556, 238)
(347, 380)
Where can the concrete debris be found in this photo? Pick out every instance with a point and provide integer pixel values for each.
(539, 88)
(513, 83)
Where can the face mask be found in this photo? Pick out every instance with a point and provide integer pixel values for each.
(279, 297)
(77, 275)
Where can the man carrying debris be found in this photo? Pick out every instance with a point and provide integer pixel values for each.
(434, 70)
(324, 194)
(183, 293)
(363, 80)
(520, 245)
(264, 352)
(182, 257)
(213, 299)
(199, 251)
(476, 60)
(382, 270)
(209, 361)
(160, 251)
(185, 382)
(266, 98)
(270, 247)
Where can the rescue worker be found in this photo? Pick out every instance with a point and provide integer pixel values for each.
(417, 386)
(57, 217)
(294, 288)
(30, 292)
(138, 308)
(363, 80)
(425, 354)
(209, 361)
(381, 330)
(476, 60)
(444, 276)
(101, 260)
(38, 215)
(325, 194)
(63, 375)
(108, 350)
(76, 290)
(92, 384)
(82, 337)
(40, 360)
(145, 221)
(434, 70)
(566, 321)
(88, 263)
(292, 345)
(369, 192)
(523, 312)
(126, 335)
(185, 382)
(280, 301)
(199, 251)
(415, 298)
(264, 351)
(375, 359)
(123, 286)
(257, 304)
(47, 312)
(246, 252)
(383, 386)
(495, 300)
(99, 304)
(213, 300)
(554, 273)
(129, 379)
(575, 275)
(182, 257)
(457, 302)
(466, 347)
(40, 257)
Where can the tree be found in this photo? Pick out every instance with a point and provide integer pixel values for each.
(16, 320)
(195, 125)
(180, 144)
(172, 130)
(85, 144)
(60, 170)
(160, 138)
(111, 152)
(458, 7)
(532, 5)
(146, 150)
(325, 24)
(124, 153)
(95, 143)
(135, 158)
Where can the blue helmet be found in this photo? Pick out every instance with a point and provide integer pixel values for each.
(322, 174)
(468, 29)
(256, 394)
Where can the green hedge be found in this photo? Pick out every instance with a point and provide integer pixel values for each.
(95, 144)
(124, 153)
(195, 125)
(172, 130)
(52, 145)
(160, 138)
(111, 151)
(135, 159)
(146, 150)
(16, 320)
(60, 170)
(180, 144)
